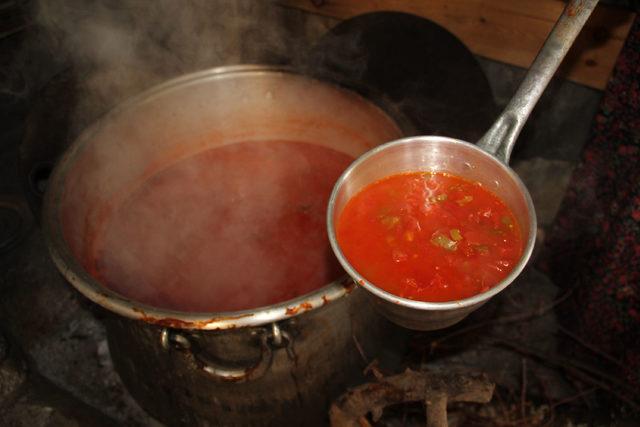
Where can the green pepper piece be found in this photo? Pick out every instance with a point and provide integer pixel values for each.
(444, 242)
(464, 200)
(390, 221)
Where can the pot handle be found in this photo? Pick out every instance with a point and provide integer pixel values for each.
(275, 338)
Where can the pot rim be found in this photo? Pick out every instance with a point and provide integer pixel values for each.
(425, 305)
(91, 288)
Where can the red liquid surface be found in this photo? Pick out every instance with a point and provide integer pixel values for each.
(429, 236)
(235, 227)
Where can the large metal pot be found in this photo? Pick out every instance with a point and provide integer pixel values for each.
(269, 365)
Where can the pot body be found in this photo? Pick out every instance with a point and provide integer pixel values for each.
(275, 365)
(316, 363)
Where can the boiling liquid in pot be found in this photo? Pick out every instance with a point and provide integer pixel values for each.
(235, 227)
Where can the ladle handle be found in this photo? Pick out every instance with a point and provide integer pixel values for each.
(501, 137)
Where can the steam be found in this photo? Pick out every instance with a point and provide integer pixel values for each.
(214, 226)
(118, 48)
(210, 230)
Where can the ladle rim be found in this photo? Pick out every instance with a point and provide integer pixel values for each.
(426, 305)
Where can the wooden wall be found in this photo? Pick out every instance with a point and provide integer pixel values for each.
(510, 31)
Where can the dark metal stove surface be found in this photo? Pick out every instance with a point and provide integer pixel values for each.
(55, 367)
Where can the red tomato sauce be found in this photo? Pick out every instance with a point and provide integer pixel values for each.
(429, 236)
(231, 228)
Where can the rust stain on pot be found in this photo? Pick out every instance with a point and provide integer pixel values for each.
(102, 297)
(171, 322)
(574, 10)
(349, 284)
(292, 311)
(225, 318)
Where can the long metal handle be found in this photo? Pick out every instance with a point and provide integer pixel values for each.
(501, 137)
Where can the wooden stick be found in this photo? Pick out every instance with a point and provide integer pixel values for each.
(580, 370)
(437, 411)
(590, 347)
(410, 386)
(523, 390)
